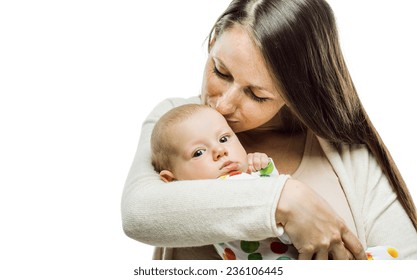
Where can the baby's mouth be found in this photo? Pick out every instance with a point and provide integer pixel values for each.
(229, 166)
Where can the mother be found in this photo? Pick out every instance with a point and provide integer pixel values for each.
(276, 72)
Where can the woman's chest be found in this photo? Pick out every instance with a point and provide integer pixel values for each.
(286, 150)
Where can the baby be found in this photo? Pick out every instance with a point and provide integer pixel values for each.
(193, 142)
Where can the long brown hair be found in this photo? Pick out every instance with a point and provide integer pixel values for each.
(299, 42)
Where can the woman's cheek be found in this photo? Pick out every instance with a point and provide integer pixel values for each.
(211, 91)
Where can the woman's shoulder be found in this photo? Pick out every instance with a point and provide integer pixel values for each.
(354, 160)
(346, 152)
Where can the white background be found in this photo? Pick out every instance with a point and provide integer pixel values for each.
(77, 78)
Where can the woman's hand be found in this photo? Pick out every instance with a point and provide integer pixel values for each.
(316, 231)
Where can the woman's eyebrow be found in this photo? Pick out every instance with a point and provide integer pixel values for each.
(256, 87)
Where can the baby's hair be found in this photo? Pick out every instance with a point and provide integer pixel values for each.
(162, 142)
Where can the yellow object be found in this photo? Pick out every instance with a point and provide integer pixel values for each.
(382, 253)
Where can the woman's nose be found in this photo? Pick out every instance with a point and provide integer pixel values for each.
(226, 103)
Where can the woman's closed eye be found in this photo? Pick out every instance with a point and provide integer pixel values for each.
(220, 74)
(248, 91)
(253, 96)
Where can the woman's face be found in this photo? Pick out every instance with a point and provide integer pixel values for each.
(237, 82)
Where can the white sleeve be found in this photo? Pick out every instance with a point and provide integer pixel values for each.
(386, 222)
(198, 212)
(380, 219)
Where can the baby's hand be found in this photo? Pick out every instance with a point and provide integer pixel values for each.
(257, 161)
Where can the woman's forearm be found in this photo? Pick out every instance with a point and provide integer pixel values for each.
(194, 213)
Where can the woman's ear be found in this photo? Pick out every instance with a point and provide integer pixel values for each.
(166, 176)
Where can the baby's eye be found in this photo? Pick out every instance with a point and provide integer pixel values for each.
(198, 153)
(224, 139)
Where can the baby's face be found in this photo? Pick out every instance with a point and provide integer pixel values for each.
(208, 148)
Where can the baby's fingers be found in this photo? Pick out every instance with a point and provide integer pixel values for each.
(259, 161)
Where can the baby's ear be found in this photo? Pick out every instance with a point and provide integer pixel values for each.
(166, 176)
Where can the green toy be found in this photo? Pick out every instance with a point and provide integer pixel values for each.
(265, 172)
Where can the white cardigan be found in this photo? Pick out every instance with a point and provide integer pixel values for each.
(201, 212)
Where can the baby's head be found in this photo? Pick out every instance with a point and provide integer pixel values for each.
(195, 142)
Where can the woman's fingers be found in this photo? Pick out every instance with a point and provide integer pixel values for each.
(350, 256)
(339, 252)
(336, 252)
(305, 256)
(321, 255)
(352, 243)
(316, 231)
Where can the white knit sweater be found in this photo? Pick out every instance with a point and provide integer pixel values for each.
(200, 212)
